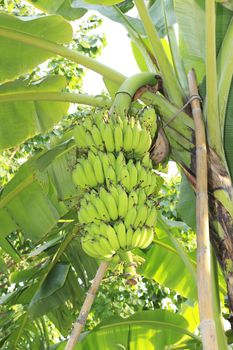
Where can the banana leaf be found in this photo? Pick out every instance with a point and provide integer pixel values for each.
(143, 330)
(19, 58)
(31, 199)
(21, 120)
(168, 263)
(59, 7)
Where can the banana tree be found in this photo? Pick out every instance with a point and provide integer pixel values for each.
(41, 198)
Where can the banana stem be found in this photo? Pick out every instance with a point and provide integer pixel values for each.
(204, 278)
(81, 320)
(130, 268)
(222, 340)
(84, 99)
(127, 90)
(171, 84)
(211, 107)
(60, 50)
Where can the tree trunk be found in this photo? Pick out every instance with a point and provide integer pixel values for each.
(220, 193)
(221, 217)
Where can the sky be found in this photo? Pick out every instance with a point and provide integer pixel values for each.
(117, 54)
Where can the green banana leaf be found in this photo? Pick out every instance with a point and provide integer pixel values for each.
(143, 330)
(228, 132)
(59, 7)
(187, 203)
(56, 289)
(104, 2)
(139, 56)
(21, 120)
(19, 58)
(3, 266)
(168, 264)
(190, 16)
(156, 13)
(31, 199)
(227, 3)
(34, 335)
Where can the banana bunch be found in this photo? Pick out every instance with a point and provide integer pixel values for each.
(125, 135)
(103, 241)
(106, 169)
(117, 209)
(134, 208)
(148, 120)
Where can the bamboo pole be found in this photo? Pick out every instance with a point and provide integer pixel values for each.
(81, 320)
(204, 281)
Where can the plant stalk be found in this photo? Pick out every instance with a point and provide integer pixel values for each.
(204, 280)
(81, 320)
(225, 73)
(60, 50)
(222, 340)
(171, 84)
(179, 250)
(127, 90)
(211, 103)
(95, 101)
(176, 58)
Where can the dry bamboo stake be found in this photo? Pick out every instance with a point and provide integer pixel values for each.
(81, 320)
(204, 284)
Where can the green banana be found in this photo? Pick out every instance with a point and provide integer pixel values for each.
(136, 137)
(146, 161)
(105, 162)
(144, 143)
(112, 238)
(89, 173)
(142, 177)
(130, 217)
(128, 139)
(96, 135)
(112, 160)
(79, 133)
(148, 238)
(151, 218)
(101, 209)
(103, 241)
(125, 178)
(119, 165)
(89, 141)
(133, 198)
(108, 139)
(115, 193)
(83, 215)
(133, 176)
(111, 177)
(92, 213)
(88, 124)
(141, 196)
(88, 247)
(121, 234)
(100, 246)
(110, 203)
(91, 157)
(129, 237)
(136, 238)
(79, 176)
(118, 138)
(98, 169)
(122, 203)
(141, 216)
